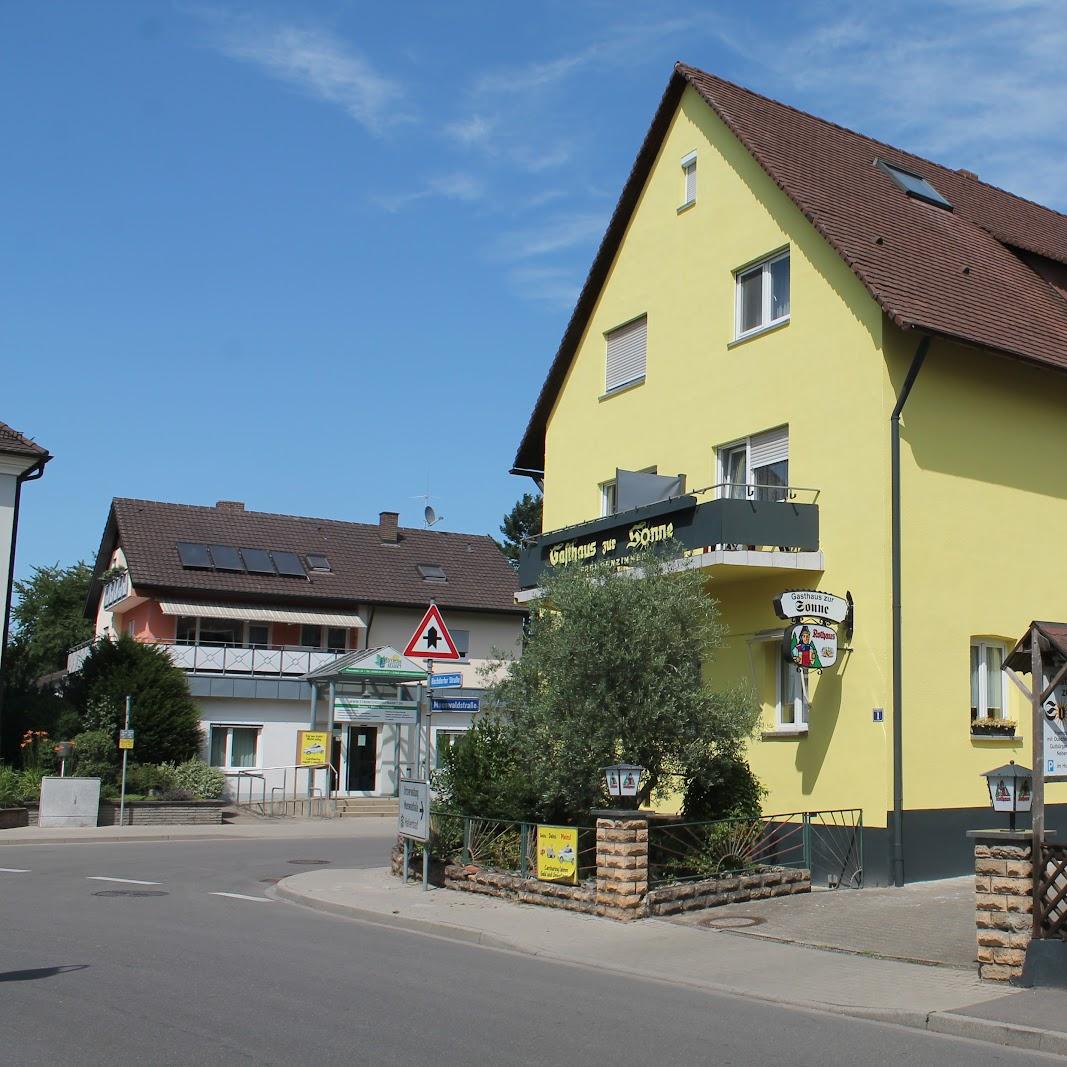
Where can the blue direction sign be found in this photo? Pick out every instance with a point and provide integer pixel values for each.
(455, 704)
(446, 681)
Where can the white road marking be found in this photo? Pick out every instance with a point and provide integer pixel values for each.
(242, 896)
(14, 870)
(128, 881)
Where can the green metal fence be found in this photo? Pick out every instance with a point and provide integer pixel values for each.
(500, 844)
(827, 843)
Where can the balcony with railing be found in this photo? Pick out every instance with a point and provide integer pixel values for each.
(116, 590)
(267, 661)
(742, 532)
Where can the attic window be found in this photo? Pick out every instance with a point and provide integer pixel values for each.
(913, 184)
(431, 572)
(318, 562)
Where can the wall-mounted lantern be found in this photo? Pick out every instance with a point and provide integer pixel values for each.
(1011, 789)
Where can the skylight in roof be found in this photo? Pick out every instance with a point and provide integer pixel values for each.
(915, 185)
(432, 572)
(318, 562)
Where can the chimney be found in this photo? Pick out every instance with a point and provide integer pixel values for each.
(230, 505)
(387, 523)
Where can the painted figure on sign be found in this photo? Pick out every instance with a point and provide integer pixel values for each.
(1002, 790)
(804, 654)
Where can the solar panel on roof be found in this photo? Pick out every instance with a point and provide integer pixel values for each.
(288, 563)
(226, 558)
(913, 184)
(257, 561)
(193, 554)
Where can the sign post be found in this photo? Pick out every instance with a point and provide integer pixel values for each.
(431, 640)
(125, 743)
(413, 822)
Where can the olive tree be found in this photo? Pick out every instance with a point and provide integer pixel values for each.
(618, 666)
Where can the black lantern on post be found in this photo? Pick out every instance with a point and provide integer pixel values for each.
(624, 780)
(1011, 789)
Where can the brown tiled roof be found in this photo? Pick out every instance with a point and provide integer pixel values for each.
(953, 273)
(11, 441)
(363, 568)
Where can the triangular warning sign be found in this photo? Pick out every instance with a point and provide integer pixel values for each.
(431, 639)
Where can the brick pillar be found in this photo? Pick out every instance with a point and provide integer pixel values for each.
(1004, 903)
(621, 866)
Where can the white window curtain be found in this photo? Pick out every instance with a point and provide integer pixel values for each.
(987, 680)
(626, 354)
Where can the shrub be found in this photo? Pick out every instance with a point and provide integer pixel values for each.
(164, 715)
(146, 779)
(10, 788)
(196, 781)
(96, 756)
(37, 751)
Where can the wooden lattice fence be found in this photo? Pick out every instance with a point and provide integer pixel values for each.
(1052, 891)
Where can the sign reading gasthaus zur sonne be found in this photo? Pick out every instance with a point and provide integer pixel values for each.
(811, 604)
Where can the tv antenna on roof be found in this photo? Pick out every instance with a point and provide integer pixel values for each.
(429, 515)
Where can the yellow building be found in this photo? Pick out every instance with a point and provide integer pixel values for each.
(779, 308)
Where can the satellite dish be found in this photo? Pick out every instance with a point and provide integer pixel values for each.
(429, 515)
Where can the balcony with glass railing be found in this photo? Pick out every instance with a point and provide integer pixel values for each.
(269, 661)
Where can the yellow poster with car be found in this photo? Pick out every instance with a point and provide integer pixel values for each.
(557, 854)
(311, 747)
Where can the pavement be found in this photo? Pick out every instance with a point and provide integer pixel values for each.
(941, 996)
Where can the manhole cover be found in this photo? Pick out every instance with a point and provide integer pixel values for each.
(732, 922)
(131, 893)
(309, 863)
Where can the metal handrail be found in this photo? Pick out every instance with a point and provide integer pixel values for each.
(751, 491)
(261, 773)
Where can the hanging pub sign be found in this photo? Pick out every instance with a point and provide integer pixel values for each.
(810, 646)
(1055, 728)
(812, 604)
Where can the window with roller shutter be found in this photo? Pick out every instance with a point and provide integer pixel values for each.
(626, 354)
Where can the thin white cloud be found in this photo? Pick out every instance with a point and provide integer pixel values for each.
(318, 64)
(466, 188)
(559, 234)
(476, 130)
(557, 286)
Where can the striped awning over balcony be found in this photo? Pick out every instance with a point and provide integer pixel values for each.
(260, 614)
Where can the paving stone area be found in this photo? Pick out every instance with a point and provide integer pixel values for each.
(931, 922)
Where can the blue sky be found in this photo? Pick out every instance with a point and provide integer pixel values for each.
(317, 256)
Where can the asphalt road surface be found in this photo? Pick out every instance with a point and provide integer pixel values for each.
(170, 953)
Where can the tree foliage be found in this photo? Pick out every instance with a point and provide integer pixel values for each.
(521, 524)
(164, 716)
(48, 618)
(615, 668)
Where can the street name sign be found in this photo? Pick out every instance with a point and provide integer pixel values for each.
(431, 639)
(455, 704)
(414, 818)
(446, 681)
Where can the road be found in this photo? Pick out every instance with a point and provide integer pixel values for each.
(187, 961)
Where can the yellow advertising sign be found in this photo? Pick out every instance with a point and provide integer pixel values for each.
(557, 854)
(312, 747)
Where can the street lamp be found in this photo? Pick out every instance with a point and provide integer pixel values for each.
(1011, 789)
(624, 780)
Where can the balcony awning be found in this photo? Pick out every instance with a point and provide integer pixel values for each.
(260, 614)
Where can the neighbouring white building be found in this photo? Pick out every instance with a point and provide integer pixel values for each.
(250, 604)
(21, 461)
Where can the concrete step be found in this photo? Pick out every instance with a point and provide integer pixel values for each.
(367, 807)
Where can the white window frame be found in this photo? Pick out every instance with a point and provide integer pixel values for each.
(635, 379)
(771, 645)
(323, 645)
(722, 457)
(801, 703)
(689, 168)
(245, 640)
(766, 322)
(229, 727)
(982, 644)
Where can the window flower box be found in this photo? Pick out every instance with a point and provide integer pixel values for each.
(992, 728)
